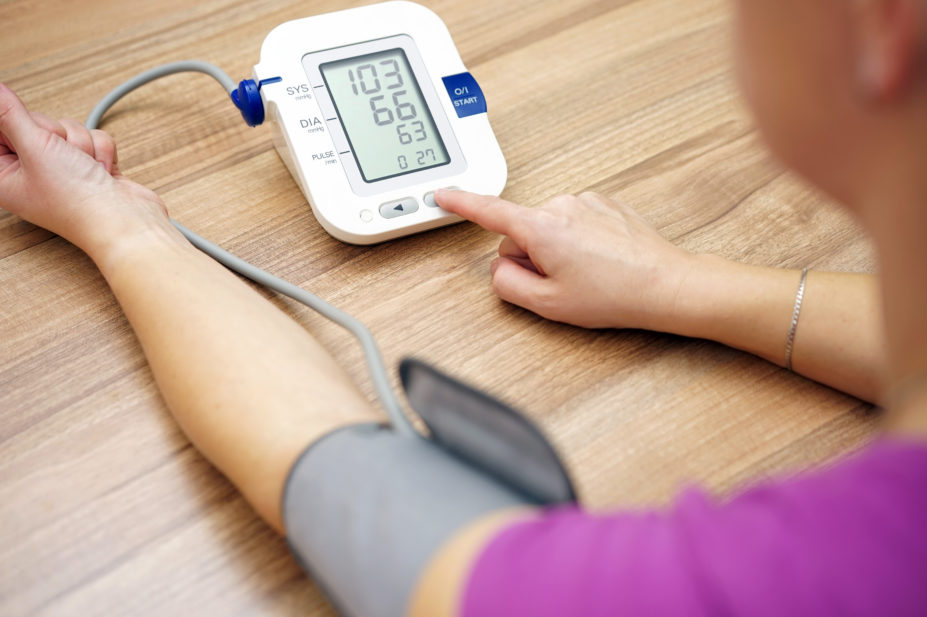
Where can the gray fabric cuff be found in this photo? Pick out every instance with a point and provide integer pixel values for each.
(365, 509)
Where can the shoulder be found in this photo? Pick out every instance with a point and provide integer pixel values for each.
(849, 534)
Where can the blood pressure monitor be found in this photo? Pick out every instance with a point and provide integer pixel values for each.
(374, 111)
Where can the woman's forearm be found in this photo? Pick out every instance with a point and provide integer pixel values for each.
(838, 338)
(248, 385)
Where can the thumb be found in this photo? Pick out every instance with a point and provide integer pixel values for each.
(519, 285)
(17, 127)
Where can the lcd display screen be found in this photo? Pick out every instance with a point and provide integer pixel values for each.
(384, 115)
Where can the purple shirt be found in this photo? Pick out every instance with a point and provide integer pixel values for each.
(848, 540)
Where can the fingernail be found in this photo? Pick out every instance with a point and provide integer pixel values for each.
(493, 266)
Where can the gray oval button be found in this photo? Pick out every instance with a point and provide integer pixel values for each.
(392, 209)
(429, 197)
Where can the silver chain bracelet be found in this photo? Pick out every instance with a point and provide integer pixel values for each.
(795, 311)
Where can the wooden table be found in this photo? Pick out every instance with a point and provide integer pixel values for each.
(106, 509)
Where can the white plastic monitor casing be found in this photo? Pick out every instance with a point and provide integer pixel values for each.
(306, 140)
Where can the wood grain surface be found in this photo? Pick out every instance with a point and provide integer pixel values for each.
(106, 509)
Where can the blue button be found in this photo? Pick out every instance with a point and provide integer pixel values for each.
(465, 93)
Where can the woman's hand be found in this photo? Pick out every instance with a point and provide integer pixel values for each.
(594, 262)
(585, 260)
(65, 178)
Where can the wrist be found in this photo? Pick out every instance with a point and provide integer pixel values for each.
(701, 297)
(743, 306)
(115, 242)
(682, 296)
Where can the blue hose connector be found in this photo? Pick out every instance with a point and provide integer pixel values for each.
(247, 99)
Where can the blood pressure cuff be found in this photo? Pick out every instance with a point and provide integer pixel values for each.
(366, 507)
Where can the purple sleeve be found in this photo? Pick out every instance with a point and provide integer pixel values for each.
(848, 540)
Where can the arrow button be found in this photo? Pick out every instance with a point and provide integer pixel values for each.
(399, 207)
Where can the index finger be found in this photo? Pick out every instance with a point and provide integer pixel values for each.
(487, 211)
